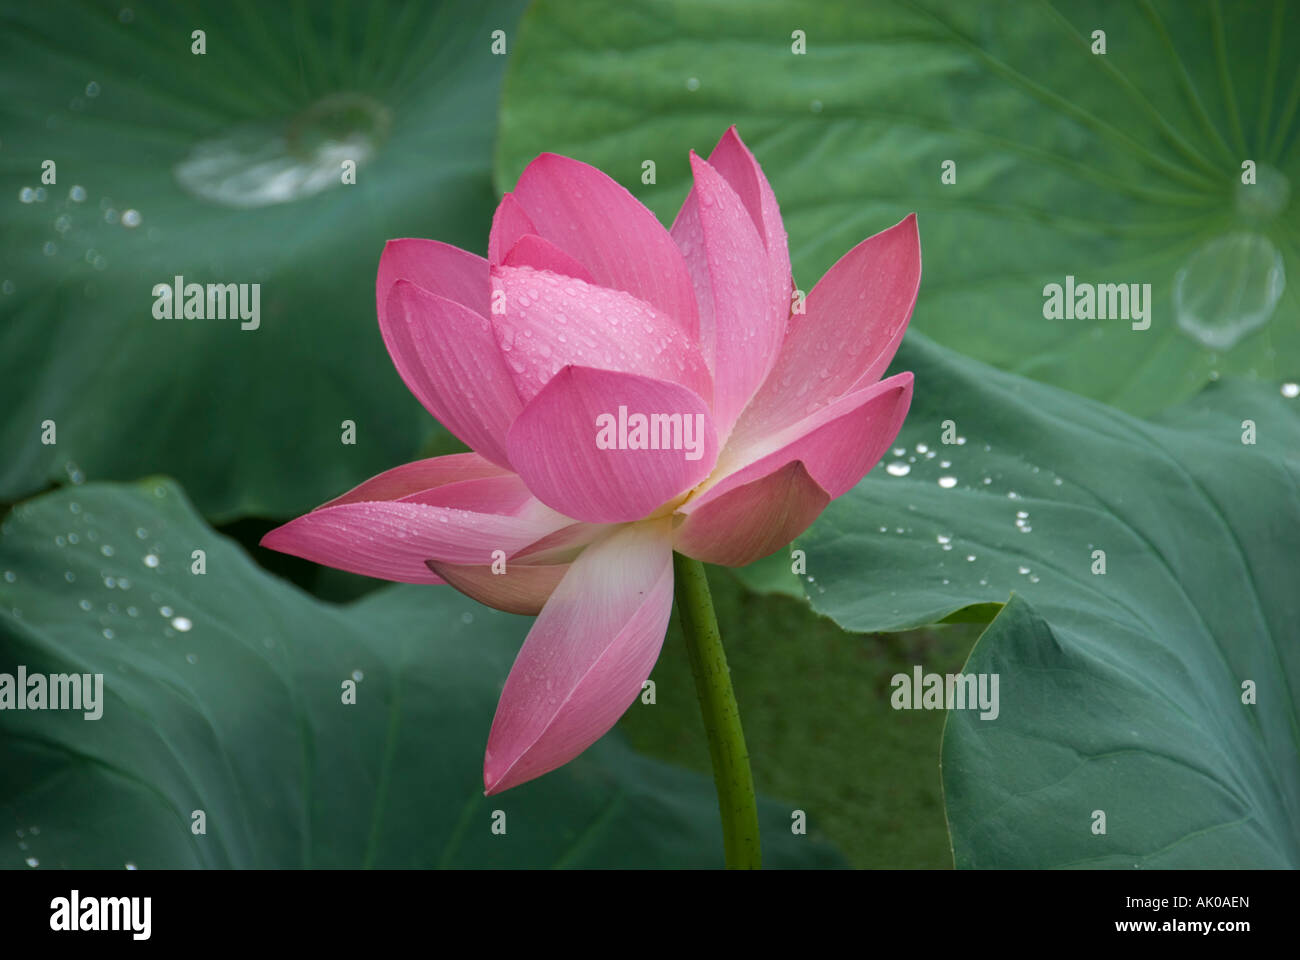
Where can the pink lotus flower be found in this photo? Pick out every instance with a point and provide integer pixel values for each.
(586, 314)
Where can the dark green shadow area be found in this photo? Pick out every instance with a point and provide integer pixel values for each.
(822, 736)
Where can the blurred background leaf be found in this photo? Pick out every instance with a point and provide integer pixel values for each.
(222, 693)
(1117, 168)
(226, 168)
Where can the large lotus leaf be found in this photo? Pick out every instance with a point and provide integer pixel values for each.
(1149, 657)
(226, 167)
(1122, 167)
(223, 692)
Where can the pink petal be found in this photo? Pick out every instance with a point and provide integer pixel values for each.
(586, 657)
(421, 475)
(732, 159)
(509, 223)
(563, 545)
(554, 441)
(598, 223)
(837, 444)
(392, 539)
(447, 355)
(855, 319)
(522, 588)
(740, 331)
(505, 494)
(439, 268)
(747, 522)
(533, 251)
(551, 321)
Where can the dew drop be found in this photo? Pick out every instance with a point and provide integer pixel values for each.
(1291, 390)
(131, 218)
(1228, 288)
(33, 862)
(191, 658)
(898, 469)
(947, 482)
(150, 560)
(970, 558)
(77, 194)
(358, 676)
(166, 611)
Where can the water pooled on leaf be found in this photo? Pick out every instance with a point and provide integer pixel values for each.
(1228, 288)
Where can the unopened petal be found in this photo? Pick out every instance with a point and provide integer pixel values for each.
(547, 321)
(740, 331)
(597, 222)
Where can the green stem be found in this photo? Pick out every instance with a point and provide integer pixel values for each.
(735, 784)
